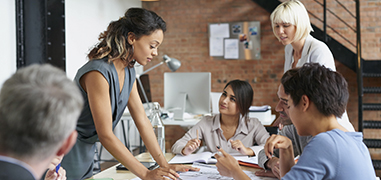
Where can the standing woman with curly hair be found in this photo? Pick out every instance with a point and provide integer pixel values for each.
(107, 83)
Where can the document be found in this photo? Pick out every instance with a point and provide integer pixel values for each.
(217, 33)
(216, 47)
(210, 172)
(247, 159)
(231, 48)
(207, 157)
(204, 157)
(219, 30)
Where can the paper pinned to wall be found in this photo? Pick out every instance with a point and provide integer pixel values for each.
(216, 47)
(216, 37)
(219, 30)
(231, 49)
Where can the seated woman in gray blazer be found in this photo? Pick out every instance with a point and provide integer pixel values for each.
(231, 130)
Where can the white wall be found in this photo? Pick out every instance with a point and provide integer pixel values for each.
(8, 38)
(85, 20)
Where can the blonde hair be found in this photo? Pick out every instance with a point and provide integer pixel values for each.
(293, 12)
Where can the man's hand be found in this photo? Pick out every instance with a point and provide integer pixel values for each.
(272, 164)
(227, 165)
(265, 173)
(276, 142)
(51, 174)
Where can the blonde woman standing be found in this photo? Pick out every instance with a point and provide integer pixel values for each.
(291, 25)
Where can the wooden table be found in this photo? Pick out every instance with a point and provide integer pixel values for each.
(144, 157)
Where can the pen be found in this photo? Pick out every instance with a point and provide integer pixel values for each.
(197, 133)
(58, 167)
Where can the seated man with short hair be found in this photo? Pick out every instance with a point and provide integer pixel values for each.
(314, 97)
(39, 108)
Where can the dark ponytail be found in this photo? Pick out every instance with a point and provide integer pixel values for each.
(113, 42)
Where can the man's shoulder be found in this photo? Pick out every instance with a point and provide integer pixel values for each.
(14, 171)
(288, 129)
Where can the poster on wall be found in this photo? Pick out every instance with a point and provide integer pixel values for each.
(235, 40)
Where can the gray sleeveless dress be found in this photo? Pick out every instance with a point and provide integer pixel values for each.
(78, 163)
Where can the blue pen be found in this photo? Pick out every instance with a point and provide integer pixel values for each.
(58, 167)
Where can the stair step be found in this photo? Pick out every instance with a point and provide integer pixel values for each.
(372, 89)
(372, 67)
(372, 143)
(371, 74)
(371, 106)
(372, 124)
(376, 164)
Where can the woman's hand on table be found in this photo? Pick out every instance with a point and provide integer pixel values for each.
(162, 173)
(183, 168)
(169, 172)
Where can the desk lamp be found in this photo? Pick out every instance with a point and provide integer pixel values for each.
(173, 65)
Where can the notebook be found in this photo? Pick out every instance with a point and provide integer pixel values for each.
(205, 157)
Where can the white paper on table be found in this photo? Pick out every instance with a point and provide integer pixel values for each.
(209, 172)
(205, 157)
(231, 48)
(252, 160)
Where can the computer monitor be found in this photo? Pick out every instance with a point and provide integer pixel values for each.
(187, 92)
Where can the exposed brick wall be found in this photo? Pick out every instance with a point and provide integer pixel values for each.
(187, 40)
